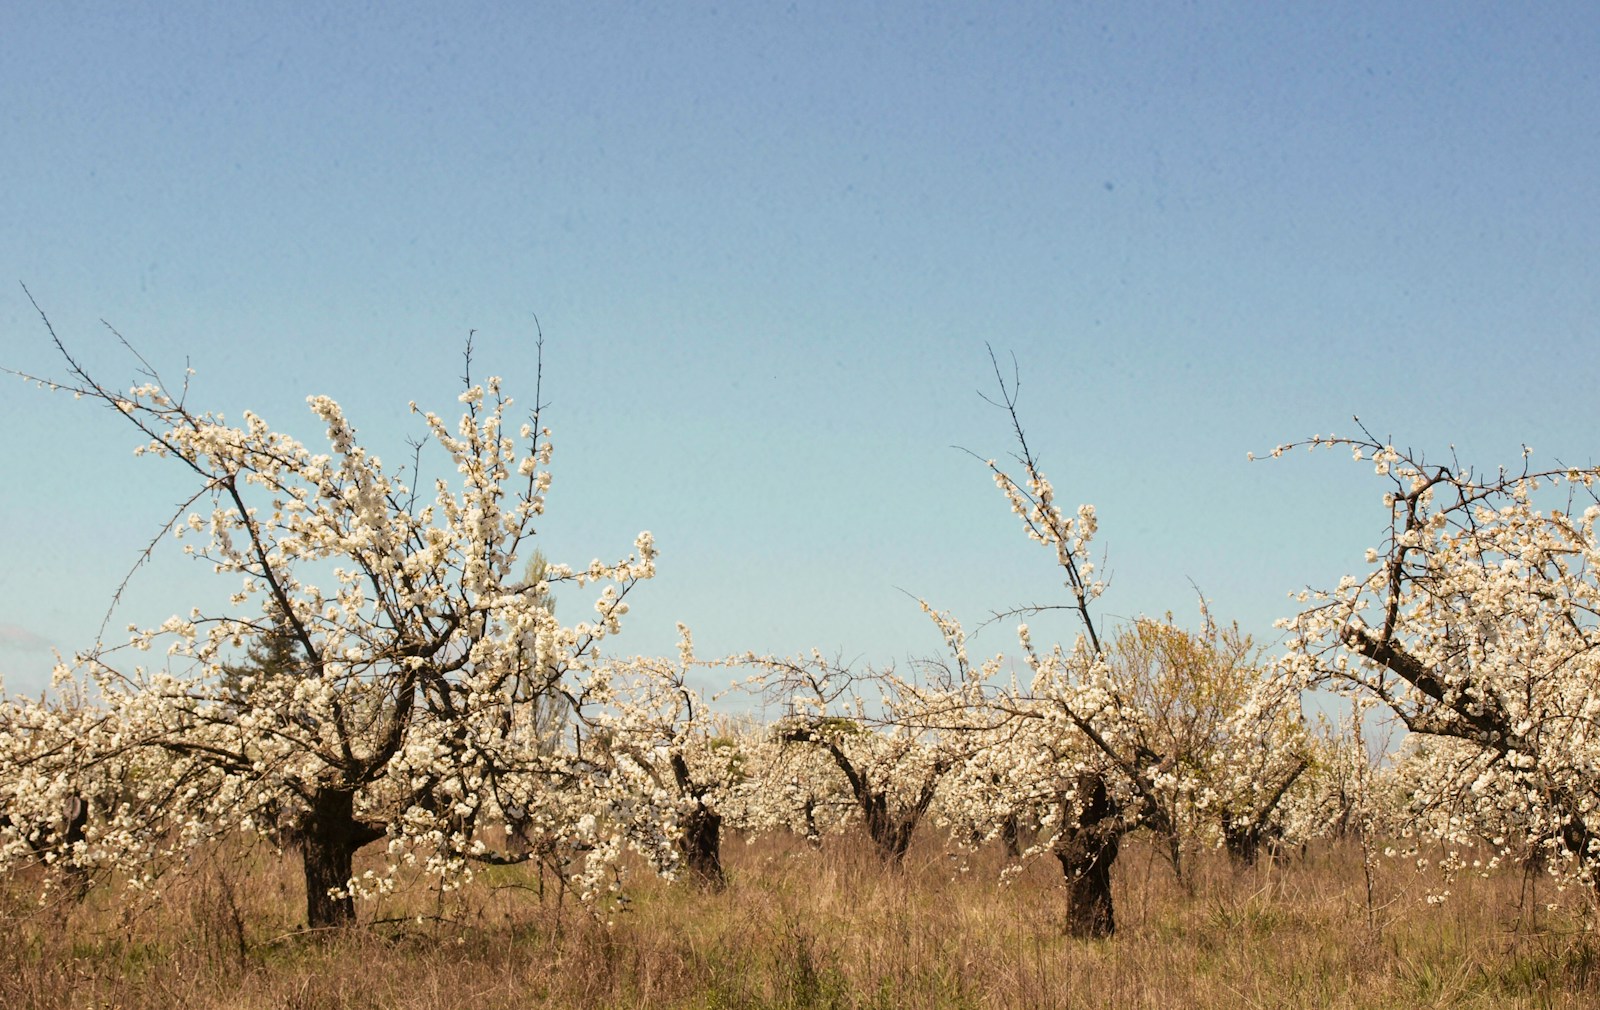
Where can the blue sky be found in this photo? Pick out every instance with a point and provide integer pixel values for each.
(767, 246)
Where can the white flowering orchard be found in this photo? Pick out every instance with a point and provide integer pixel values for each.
(405, 685)
(416, 646)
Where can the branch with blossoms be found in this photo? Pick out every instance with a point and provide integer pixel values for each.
(1484, 599)
(1033, 500)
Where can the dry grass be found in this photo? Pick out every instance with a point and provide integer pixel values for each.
(805, 928)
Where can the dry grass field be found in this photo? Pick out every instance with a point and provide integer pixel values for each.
(799, 927)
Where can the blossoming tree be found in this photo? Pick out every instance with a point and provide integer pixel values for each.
(883, 741)
(1128, 731)
(415, 646)
(1476, 622)
(679, 749)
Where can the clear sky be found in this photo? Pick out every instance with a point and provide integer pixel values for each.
(768, 243)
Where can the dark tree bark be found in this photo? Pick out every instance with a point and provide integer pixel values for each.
(1245, 837)
(1011, 835)
(701, 843)
(891, 834)
(701, 838)
(1087, 848)
(889, 828)
(1244, 841)
(55, 843)
(813, 834)
(75, 819)
(328, 843)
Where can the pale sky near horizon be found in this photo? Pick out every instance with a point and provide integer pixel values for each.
(768, 245)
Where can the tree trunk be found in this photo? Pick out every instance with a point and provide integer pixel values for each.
(813, 836)
(1244, 839)
(891, 835)
(891, 829)
(1087, 849)
(701, 843)
(1011, 836)
(700, 839)
(1175, 857)
(1242, 842)
(328, 844)
(1246, 842)
(75, 812)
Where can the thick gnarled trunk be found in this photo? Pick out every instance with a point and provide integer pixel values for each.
(328, 843)
(701, 844)
(1087, 848)
(700, 836)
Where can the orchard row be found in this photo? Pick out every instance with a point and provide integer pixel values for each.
(392, 670)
